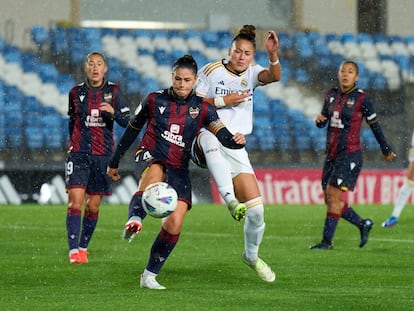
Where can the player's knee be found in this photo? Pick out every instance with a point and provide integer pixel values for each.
(255, 215)
(208, 141)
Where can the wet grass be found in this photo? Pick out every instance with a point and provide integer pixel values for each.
(205, 271)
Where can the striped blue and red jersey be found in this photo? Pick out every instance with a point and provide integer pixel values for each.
(90, 129)
(345, 113)
(172, 125)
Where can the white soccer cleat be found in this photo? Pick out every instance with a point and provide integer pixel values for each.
(262, 269)
(150, 282)
(132, 228)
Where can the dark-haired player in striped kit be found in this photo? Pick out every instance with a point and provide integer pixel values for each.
(173, 117)
(344, 109)
(94, 105)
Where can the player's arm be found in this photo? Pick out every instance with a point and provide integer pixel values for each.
(274, 71)
(218, 102)
(71, 114)
(128, 137)
(226, 138)
(122, 114)
(322, 119)
(118, 110)
(372, 120)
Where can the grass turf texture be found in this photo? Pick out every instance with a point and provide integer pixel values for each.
(205, 271)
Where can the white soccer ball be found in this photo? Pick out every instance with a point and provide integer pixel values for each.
(159, 199)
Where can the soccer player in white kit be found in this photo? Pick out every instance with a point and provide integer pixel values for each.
(228, 85)
(405, 191)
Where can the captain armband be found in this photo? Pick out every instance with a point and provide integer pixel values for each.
(219, 102)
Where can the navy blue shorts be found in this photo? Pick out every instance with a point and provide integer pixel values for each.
(343, 171)
(87, 171)
(178, 178)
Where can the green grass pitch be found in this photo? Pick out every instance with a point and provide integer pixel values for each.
(205, 272)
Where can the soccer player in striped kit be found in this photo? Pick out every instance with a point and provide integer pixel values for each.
(344, 109)
(94, 106)
(228, 85)
(173, 117)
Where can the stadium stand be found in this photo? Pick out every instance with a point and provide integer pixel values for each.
(140, 61)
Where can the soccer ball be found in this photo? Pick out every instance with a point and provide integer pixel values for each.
(159, 199)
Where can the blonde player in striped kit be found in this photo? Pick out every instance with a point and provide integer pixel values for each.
(228, 85)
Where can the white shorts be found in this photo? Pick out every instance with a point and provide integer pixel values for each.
(238, 160)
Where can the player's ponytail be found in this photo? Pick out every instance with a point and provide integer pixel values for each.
(247, 32)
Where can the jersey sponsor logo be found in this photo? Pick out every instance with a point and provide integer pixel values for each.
(350, 102)
(108, 97)
(161, 109)
(336, 120)
(172, 135)
(94, 120)
(194, 112)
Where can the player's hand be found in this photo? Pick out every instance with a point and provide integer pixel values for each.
(272, 42)
(104, 106)
(113, 173)
(319, 119)
(390, 157)
(239, 138)
(236, 98)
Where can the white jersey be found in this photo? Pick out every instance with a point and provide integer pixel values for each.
(216, 81)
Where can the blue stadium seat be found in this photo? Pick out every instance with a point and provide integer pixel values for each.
(35, 140)
(14, 137)
(59, 41)
(54, 137)
(210, 38)
(40, 35)
(30, 62)
(48, 73)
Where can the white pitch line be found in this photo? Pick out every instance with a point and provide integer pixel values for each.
(206, 234)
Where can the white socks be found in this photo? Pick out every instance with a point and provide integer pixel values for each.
(217, 166)
(254, 227)
(402, 199)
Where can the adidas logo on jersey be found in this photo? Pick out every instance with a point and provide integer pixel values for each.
(221, 82)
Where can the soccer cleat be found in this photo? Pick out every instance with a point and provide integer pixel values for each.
(390, 222)
(150, 282)
(82, 256)
(132, 228)
(262, 269)
(237, 209)
(74, 258)
(323, 245)
(366, 227)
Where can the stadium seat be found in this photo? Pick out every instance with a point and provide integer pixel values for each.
(40, 35)
(14, 137)
(34, 137)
